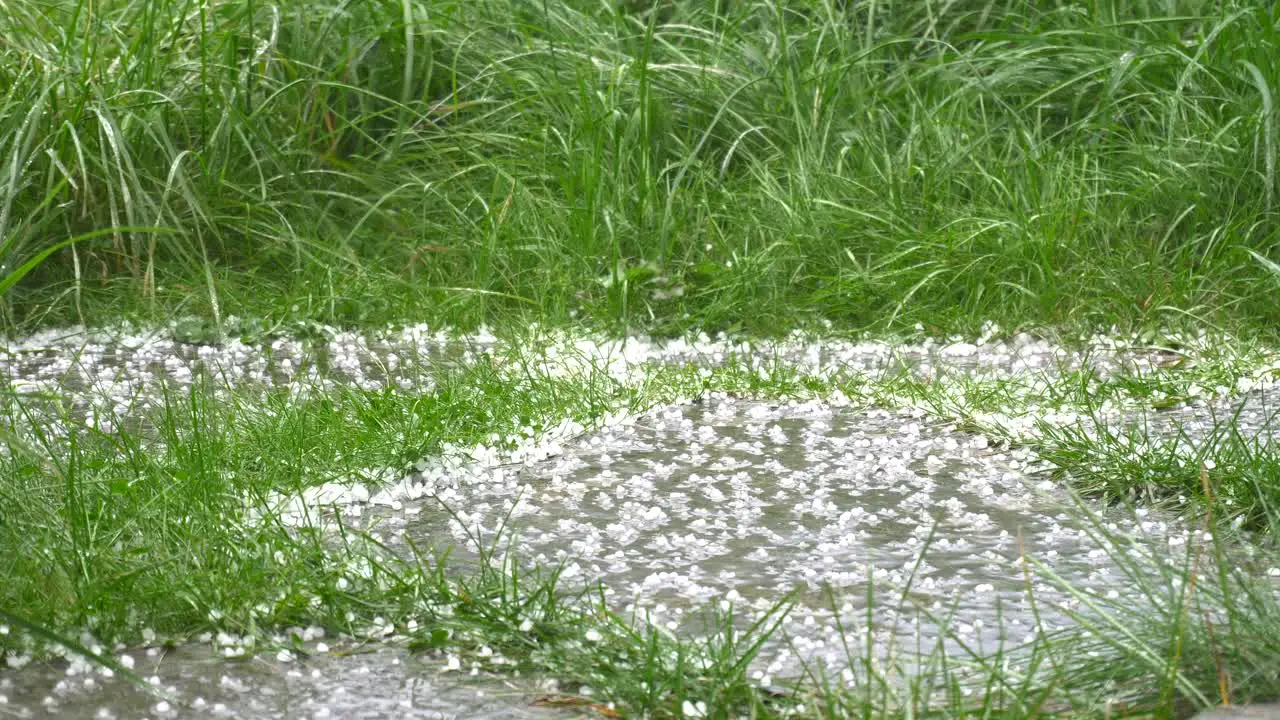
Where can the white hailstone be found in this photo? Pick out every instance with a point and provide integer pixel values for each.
(452, 664)
(284, 656)
(161, 707)
(526, 625)
(693, 709)
(126, 661)
(593, 635)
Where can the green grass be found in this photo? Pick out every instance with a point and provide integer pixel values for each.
(161, 519)
(1237, 472)
(871, 162)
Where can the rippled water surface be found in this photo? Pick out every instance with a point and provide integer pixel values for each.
(377, 683)
(744, 501)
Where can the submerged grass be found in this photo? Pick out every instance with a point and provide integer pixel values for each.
(145, 529)
(1235, 470)
(92, 518)
(667, 164)
(1202, 633)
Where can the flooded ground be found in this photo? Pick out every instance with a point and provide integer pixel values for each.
(380, 682)
(722, 502)
(732, 501)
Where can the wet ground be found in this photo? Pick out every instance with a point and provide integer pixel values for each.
(104, 376)
(381, 682)
(738, 502)
(724, 502)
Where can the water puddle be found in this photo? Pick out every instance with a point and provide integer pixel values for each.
(736, 501)
(383, 682)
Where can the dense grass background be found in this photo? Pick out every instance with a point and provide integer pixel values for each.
(873, 162)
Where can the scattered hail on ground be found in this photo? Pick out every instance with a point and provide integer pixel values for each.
(709, 500)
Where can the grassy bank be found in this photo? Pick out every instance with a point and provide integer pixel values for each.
(666, 164)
